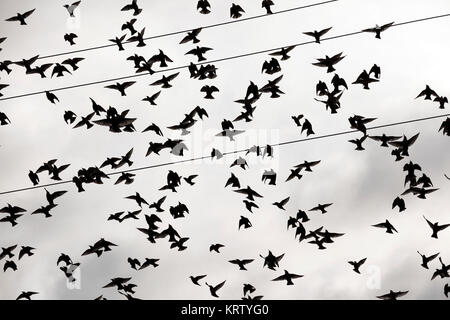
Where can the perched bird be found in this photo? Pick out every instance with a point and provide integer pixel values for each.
(329, 62)
(213, 289)
(317, 34)
(121, 87)
(379, 29)
(21, 17)
(288, 277)
(435, 227)
(133, 6)
(71, 8)
(357, 264)
(70, 38)
(392, 295)
(236, 11)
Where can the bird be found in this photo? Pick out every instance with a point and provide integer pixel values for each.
(2, 39)
(45, 210)
(21, 17)
(9, 265)
(126, 177)
(392, 295)
(139, 200)
(384, 139)
(192, 36)
(288, 277)
(85, 121)
(34, 178)
(51, 197)
(149, 262)
(250, 193)
(216, 247)
(133, 6)
(70, 38)
(329, 62)
(162, 58)
(241, 263)
(190, 179)
(213, 289)
(427, 93)
(8, 252)
(139, 38)
(134, 263)
(267, 4)
(250, 205)
(164, 82)
(26, 295)
(153, 127)
(379, 29)
(73, 62)
(121, 87)
(209, 90)
(376, 70)
(283, 52)
(272, 261)
(199, 52)
(203, 6)
(119, 42)
(317, 34)
(236, 11)
(386, 225)
(436, 227)
(152, 98)
(59, 70)
(196, 279)
(442, 101)
(157, 205)
(359, 143)
(40, 70)
(365, 79)
(244, 222)
(426, 260)
(129, 25)
(71, 8)
(357, 264)
(51, 97)
(322, 208)
(400, 203)
(405, 144)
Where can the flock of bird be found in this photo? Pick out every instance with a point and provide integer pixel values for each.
(417, 182)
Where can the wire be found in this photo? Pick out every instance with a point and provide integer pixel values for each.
(187, 30)
(212, 61)
(165, 164)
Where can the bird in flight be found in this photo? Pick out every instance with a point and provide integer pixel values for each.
(317, 34)
(71, 8)
(21, 17)
(288, 277)
(357, 264)
(379, 29)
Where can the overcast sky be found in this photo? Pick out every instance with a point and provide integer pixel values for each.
(362, 185)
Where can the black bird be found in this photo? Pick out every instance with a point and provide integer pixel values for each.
(365, 79)
(213, 289)
(236, 11)
(297, 120)
(45, 210)
(121, 87)
(8, 252)
(427, 93)
(162, 58)
(233, 181)
(21, 17)
(436, 227)
(271, 261)
(400, 203)
(419, 192)
(307, 165)
(126, 159)
(4, 65)
(157, 205)
(357, 264)
(192, 36)
(271, 67)
(267, 4)
(384, 139)
(85, 121)
(203, 6)
(51, 197)
(132, 6)
(405, 144)
(337, 82)
(446, 290)
(40, 70)
(26, 295)
(317, 34)
(139, 38)
(245, 222)
(34, 178)
(51, 97)
(359, 143)
(250, 193)
(129, 25)
(134, 263)
(209, 90)
(164, 81)
(139, 200)
(329, 62)
(26, 250)
(216, 247)
(10, 265)
(71, 8)
(283, 52)
(392, 295)
(2, 39)
(70, 38)
(153, 127)
(376, 70)
(307, 126)
(250, 205)
(116, 216)
(426, 260)
(288, 277)
(322, 208)
(3, 86)
(126, 177)
(386, 225)
(4, 120)
(241, 263)
(117, 282)
(199, 52)
(73, 62)
(445, 127)
(295, 173)
(442, 101)
(119, 42)
(196, 279)
(96, 107)
(26, 63)
(59, 70)
(269, 175)
(149, 262)
(152, 98)
(273, 88)
(379, 29)
(240, 162)
(190, 179)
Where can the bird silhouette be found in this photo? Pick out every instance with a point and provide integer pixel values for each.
(436, 227)
(133, 6)
(386, 225)
(71, 8)
(288, 277)
(21, 17)
(213, 289)
(392, 295)
(329, 62)
(357, 264)
(70, 38)
(236, 11)
(379, 29)
(203, 6)
(426, 260)
(317, 34)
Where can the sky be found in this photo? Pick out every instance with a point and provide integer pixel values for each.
(361, 185)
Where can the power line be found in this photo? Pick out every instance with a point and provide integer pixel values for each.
(188, 30)
(213, 61)
(165, 164)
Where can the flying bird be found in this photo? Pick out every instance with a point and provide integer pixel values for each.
(329, 62)
(133, 6)
(288, 277)
(379, 29)
(317, 34)
(21, 17)
(436, 227)
(121, 87)
(236, 11)
(71, 8)
(357, 264)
